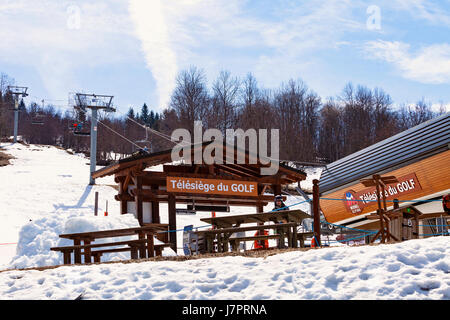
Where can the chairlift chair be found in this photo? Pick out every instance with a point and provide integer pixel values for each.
(38, 119)
(78, 130)
(144, 144)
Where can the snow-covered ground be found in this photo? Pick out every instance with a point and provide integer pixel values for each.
(417, 269)
(45, 193)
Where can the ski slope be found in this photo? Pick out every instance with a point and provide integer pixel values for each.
(47, 194)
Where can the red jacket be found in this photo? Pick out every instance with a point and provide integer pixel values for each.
(261, 244)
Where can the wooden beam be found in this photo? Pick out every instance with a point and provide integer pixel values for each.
(316, 211)
(123, 203)
(138, 201)
(276, 187)
(189, 200)
(157, 193)
(230, 171)
(172, 222)
(127, 182)
(160, 158)
(234, 169)
(434, 215)
(155, 207)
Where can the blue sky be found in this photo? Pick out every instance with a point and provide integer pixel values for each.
(134, 49)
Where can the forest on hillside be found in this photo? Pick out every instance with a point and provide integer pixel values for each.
(311, 128)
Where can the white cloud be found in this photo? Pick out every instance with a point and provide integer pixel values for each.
(151, 28)
(233, 34)
(426, 10)
(36, 34)
(430, 64)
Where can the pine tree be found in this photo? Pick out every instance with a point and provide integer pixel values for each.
(130, 113)
(157, 120)
(144, 115)
(151, 119)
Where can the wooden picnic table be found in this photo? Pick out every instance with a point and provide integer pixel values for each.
(275, 216)
(83, 241)
(285, 223)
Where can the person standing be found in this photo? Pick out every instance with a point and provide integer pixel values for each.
(280, 206)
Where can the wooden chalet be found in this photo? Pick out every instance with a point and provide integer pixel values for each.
(142, 189)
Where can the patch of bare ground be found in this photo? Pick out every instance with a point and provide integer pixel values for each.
(4, 158)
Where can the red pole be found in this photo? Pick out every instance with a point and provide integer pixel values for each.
(106, 212)
(213, 214)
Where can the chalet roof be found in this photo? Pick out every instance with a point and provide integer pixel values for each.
(286, 174)
(414, 144)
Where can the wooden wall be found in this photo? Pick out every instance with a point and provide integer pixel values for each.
(433, 174)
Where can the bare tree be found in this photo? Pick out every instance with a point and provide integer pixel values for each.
(6, 103)
(190, 98)
(224, 101)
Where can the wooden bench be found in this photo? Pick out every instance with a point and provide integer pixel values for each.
(83, 240)
(249, 228)
(97, 254)
(134, 246)
(206, 237)
(300, 236)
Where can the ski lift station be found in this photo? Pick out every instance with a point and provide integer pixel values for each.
(420, 160)
(211, 186)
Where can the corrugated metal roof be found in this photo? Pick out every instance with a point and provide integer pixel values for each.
(427, 138)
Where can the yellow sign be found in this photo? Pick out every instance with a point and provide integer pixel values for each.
(212, 186)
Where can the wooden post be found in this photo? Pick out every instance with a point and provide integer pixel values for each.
(138, 200)
(294, 237)
(416, 226)
(259, 209)
(396, 205)
(316, 211)
(150, 245)
(142, 249)
(77, 252)
(67, 254)
(87, 252)
(155, 207)
(134, 253)
(396, 225)
(276, 189)
(380, 211)
(172, 222)
(96, 204)
(123, 203)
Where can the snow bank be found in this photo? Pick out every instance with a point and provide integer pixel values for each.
(37, 237)
(415, 269)
(311, 174)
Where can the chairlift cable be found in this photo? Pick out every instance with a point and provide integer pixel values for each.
(139, 147)
(162, 135)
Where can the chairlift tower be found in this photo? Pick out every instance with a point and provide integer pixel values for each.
(81, 102)
(16, 92)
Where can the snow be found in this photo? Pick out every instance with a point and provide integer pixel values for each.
(47, 195)
(416, 269)
(37, 237)
(311, 174)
